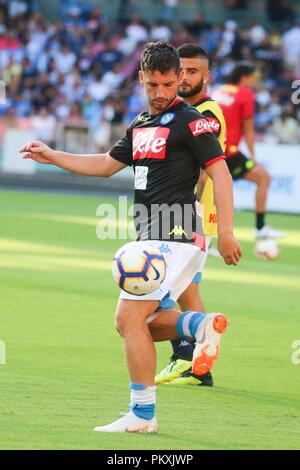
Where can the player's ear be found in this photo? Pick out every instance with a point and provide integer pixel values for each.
(180, 76)
(141, 77)
(206, 76)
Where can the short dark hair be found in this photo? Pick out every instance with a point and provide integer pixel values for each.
(241, 69)
(190, 51)
(161, 56)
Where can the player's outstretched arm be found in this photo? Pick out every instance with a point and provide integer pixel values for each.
(228, 245)
(249, 133)
(88, 165)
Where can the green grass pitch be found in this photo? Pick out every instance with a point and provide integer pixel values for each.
(65, 372)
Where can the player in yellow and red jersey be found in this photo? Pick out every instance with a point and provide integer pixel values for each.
(194, 63)
(237, 101)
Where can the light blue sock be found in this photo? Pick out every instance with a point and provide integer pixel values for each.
(187, 324)
(142, 401)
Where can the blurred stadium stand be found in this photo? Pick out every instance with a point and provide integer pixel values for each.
(70, 71)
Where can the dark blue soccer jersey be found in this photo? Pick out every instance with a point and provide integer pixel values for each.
(167, 151)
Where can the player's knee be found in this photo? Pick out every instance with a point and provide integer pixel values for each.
(120, 324)
(123, 321)
(117, 327)
(264, 177)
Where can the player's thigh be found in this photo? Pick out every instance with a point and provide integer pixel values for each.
(257, 174)
(190, 299)
(239, 165)
(134, 312)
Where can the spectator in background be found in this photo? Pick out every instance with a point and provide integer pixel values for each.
(280, 10)
(211, 38)
(198, 26)
(17, 8)
(124, 11)
(77, 39)
(3, 12)
(283, 83)
(262, 96)
(168, 11)
(74, 90)
(109, 56)
(102, 135)
(221, 71)
(263, 119)
(21, 105)
(75, 115)
(137, 30)
(286, 127)
(96, 23)
(82, 57)
(11, 70)
(181, 36)
(257, 33)
(13, 121)
(62, 107)
(65, 59)
(28, 70)
(291, 47)
(275, 108)
(113, 78)
(8, 41)
(44, 124)
(92, 111)
(136, 102)
(160, 31)
(228, 39)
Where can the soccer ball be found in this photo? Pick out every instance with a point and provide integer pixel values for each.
(267, 249)
(138, 269)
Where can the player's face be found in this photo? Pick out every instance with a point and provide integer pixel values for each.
(194, 75)
(161, 89)
(250, 80)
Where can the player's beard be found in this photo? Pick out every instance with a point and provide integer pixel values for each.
(191, 91)
(163, 105)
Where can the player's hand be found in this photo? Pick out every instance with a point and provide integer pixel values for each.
(229, 248)
(38, 151)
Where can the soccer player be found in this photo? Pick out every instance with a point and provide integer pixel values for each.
(237, 101)
(166, 145)
(194, 64)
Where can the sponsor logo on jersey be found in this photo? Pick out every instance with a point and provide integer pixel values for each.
(165, 249)
(178, 231)
(214, 124)
(223, 98)
(212, 218)
(167, 118)
(142, 118)
(200, 126)
(183, 344)
(150, 142)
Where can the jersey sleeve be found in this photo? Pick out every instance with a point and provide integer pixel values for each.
(201, 141)
(213, 121)
(122, 150)
(248, 102)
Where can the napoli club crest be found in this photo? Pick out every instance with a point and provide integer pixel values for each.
(167, 118)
